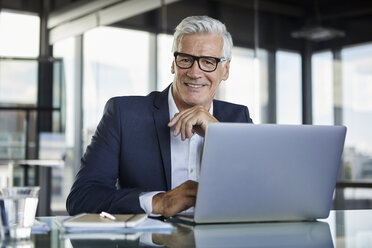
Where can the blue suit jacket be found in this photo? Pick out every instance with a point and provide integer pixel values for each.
(130, 153)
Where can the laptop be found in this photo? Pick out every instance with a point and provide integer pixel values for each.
(264, 173)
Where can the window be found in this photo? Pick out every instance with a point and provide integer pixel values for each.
(18, 73)
(18, 70)
(12, 42)
(342, 91)
(63, 142)
(322, 88)
(116, 62)
(65, 49)
(288, 88)
(357, 111)
(165, 60)
(247, 82)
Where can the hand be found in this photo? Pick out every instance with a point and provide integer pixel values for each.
(175, 200)
(183, 235)
(189, 121)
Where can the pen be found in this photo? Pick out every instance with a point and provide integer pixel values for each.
(107, 215)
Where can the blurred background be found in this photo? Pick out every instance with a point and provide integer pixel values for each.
(294, 62)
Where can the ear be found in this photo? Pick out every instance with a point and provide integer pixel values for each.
(226, 70)
(172, 68)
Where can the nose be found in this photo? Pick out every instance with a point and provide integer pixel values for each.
(194, 71)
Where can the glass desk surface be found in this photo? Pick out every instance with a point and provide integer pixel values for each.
(349, 228)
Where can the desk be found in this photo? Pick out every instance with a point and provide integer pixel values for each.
(350, 228)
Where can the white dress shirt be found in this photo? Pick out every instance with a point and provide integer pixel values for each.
(185, 158)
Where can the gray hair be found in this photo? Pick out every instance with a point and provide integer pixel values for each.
(203, 24)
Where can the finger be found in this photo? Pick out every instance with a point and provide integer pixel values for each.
(177, 116)
(193, 191)
(177, 203)
(190, 122)
(178, 127)
(196, 122)
(189, 127)
(181, 125)
(190, 188)
(189, 202)
(183, 204)
(186, 127)
(192, 184)
(174, 120)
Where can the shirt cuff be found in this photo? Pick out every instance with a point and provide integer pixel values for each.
(145, 200)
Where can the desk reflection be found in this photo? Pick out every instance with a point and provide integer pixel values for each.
(293, 234)
(290, 234)
(104, 243)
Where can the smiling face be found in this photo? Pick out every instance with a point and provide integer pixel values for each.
(193, 86)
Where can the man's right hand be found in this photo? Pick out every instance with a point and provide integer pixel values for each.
(175, 200)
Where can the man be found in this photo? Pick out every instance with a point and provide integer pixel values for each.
(145, 154)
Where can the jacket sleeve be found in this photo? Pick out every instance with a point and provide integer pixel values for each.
(229, 112)
(246, 112)
(94, 189)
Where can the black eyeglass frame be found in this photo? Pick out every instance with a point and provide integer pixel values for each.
(175, 54)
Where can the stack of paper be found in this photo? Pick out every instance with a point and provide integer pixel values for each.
(39, 227)
(94, 223)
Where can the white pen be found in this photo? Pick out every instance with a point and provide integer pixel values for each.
(107, 215)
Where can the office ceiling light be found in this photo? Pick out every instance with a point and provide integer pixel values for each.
(317, 33)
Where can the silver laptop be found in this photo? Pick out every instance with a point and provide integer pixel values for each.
(256, 173)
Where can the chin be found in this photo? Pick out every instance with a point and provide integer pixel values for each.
(193, 103)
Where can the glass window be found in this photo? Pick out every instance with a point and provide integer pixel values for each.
(165, 60)
(116, 62)
(288, 88)
(357, 111)
(19, 47)
(59, 97)
(56, 145)
(65, 49)
(357, 198)
(19, 35)
(348, 80)
(322, 88)
(18, 76)
(12, 135)
(247, 81)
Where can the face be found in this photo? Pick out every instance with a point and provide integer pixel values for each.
(193, 86)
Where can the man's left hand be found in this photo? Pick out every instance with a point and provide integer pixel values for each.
(189, 121)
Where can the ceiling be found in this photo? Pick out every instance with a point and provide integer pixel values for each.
(344, 22)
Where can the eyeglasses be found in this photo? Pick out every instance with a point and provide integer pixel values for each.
(205, 63)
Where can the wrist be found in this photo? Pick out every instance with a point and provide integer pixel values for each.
(157, 206)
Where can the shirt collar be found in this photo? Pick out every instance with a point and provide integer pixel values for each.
(173, 107)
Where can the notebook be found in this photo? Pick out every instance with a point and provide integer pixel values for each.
(258, 173)
(96, 222)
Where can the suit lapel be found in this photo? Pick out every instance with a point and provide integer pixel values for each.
(161, 119)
